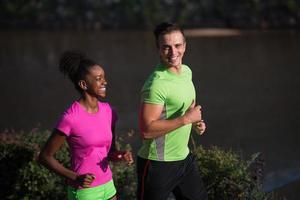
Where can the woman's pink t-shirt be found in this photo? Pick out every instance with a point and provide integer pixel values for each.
(89, 137)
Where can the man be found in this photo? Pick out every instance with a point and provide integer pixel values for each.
(167, 113)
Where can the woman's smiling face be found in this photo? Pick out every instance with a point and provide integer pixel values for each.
(96, 82)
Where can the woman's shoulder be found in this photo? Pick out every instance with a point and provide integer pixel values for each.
(67, 118)
(73, 108)
(71, 112)
(104, 105)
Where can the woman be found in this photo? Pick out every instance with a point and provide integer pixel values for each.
(88, 127)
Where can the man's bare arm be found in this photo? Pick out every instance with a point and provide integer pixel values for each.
(152, 126)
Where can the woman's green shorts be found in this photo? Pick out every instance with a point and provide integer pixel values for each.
(101, 192)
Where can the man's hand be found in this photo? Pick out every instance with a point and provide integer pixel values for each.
(199, 127)
(85, 180)
(193, 114)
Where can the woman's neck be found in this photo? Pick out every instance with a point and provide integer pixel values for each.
(89, 103)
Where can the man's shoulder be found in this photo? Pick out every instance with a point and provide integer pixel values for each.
(156, 76)
(154, 81)
(186, 68)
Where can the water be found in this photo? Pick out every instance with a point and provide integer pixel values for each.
(248, 86)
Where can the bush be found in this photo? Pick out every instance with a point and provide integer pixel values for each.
(125, 181)
(24, 177)
(125, 178)
(225, 174)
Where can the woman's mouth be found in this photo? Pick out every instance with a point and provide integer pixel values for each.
(103, 89)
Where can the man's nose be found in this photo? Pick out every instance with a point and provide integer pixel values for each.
(172, 50)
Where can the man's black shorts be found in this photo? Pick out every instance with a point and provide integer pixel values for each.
(157, 179)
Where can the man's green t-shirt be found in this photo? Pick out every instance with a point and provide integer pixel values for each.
(176, 93)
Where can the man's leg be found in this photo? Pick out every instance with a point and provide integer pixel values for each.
(156, 179)
(191, 186)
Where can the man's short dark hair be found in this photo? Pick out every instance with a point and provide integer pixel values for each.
(165, 28)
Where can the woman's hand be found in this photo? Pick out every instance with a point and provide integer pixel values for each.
(85, 180)
(127, 156)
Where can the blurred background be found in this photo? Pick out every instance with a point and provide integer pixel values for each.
(243, 55)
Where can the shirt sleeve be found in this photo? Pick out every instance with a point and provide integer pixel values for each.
(64, 124)
(114, 117)
(154, 93)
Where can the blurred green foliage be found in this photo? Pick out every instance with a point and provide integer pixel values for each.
(225, 174)
(24, 178)
(94, 14)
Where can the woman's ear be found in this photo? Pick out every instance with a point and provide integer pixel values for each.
(82, 84)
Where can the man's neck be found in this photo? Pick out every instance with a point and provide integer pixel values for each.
(175, 69)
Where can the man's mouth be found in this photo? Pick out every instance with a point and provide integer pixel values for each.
(173, 58)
